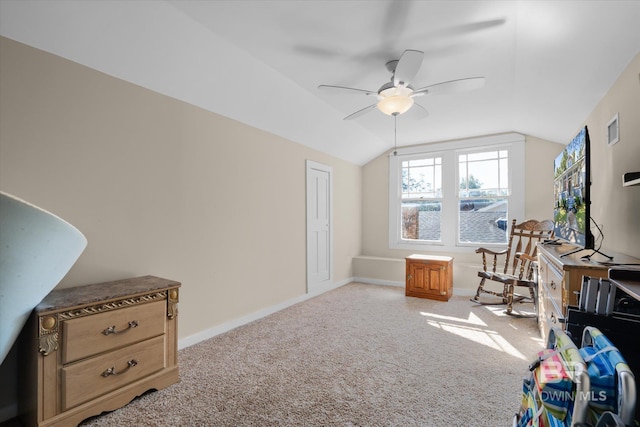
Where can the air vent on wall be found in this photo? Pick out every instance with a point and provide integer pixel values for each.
(630, 178)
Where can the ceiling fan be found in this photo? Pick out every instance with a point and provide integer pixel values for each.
(397, 95)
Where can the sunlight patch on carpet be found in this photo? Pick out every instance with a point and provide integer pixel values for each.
(491, 339)
(500, 310)
(472, 319)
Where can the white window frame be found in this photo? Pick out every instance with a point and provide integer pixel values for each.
(433, 155)
(512, 142)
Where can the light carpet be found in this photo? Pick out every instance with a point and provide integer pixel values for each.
(359, 355)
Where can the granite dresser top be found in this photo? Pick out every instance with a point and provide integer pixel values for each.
(62, 299)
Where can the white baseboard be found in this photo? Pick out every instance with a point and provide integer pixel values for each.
(370, 281)
(226, 327)
(465, 292)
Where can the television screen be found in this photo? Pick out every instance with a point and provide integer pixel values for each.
(571, 192)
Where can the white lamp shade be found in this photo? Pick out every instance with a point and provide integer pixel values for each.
(37, 249)
(395, 100)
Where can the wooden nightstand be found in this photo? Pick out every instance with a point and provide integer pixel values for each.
(429, 276)
(94, 348)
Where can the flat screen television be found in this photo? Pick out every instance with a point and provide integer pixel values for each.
(571, 185)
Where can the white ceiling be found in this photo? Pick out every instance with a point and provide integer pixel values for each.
(546, 63)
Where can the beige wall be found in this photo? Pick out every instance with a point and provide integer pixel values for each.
(615, 207)
(539, 155)
(162, 187)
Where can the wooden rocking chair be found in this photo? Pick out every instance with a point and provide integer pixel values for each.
(519, 267)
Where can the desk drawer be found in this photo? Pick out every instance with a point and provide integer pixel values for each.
(87, 379)
(88, 336)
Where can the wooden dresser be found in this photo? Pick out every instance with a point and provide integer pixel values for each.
(429, 276)
(94, 348)
(560, 279)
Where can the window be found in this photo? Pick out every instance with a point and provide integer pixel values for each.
(457, 194)
(421, 198)
(483, 197)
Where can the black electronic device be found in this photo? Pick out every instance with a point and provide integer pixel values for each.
(572, 194)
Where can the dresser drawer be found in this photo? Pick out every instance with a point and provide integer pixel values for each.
(86, 336)
(551, 278)
(553, 314)
(554, 285)
(549, 313)
(87, 379)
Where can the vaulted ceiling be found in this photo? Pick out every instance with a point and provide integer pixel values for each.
(546, 63)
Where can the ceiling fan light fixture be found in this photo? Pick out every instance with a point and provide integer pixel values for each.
(395, 100)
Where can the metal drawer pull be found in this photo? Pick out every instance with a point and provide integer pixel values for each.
(112, 329)
(555, 319)
(112, 370)
(552, 284)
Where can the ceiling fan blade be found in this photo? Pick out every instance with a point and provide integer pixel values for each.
(418, 111)
(342, 89)
(395, 23)
(407, 67)
(361, 112)
(469, 28)
(452, 86)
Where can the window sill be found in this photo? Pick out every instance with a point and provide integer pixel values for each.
(422, 247)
